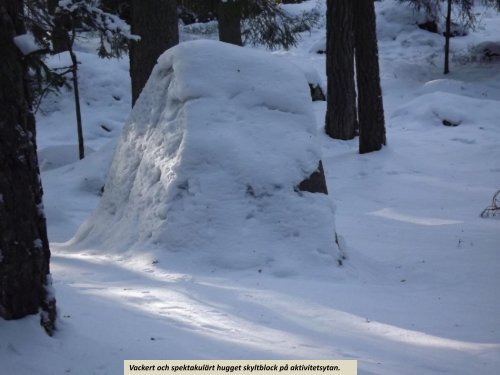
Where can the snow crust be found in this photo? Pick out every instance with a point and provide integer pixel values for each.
(209, 162)
(26, 43)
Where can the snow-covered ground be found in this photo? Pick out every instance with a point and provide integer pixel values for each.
(418, 293)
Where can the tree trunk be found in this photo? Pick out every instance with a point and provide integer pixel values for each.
(24, 247)
(340, 120)
(76, 94)
(229, 17)
(447, 36)
(59, 35)
(370, 105)
(156, 22)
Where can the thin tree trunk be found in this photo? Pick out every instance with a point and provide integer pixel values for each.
(370, 105)
(340, 122)
(76, 94)
(229, 17)
(156, 22)
(24, 247)
(447, 36)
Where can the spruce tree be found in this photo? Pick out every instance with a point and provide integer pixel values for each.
(341, 94)
(24, 247)
(352, 29)
(370, 105)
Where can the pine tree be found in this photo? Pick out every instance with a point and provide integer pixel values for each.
(156, 22)
(353, 30)
(262, 22)
(229, 15)
(341, 115)
(24, 247)
(433, 12)
(55, 26)
(370, 105)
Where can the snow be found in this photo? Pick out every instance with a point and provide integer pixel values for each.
(418, 292)
(208, 163)
(26, 43)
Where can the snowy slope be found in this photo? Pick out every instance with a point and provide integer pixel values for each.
(417, 294)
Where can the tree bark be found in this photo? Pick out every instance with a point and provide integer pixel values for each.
(24, 247)
(156, 22)
(229, 17)
(341, 121)
(447, 36)
(76, 95)
(370, 105)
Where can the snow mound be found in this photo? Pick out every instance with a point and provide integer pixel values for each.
(208, 165)
(429, 110)
(53, 157)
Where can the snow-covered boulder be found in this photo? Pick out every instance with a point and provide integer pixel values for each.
(208, 167)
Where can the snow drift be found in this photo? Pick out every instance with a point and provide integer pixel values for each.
(208, 165)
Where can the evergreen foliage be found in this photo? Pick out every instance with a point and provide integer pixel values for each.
(267, 23)
(56, 30)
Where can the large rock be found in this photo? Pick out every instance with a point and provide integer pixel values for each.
(214, 167)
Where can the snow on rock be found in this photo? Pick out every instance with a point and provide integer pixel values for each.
(318, 88)
(207, 167)
(26, 44)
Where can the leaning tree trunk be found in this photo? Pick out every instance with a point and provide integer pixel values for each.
(24, 248)
(229, 18)
(370, 105)
(156, 22)
(340, 120)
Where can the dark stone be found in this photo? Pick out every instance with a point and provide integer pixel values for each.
(490, 55)
(316, 183)
(429, 26)
(451, 123)
(316, 92)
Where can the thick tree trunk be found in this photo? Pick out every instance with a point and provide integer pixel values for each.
(370, 105)
(229, 17)
(24, 247)
(156, 22)
(341, 116)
